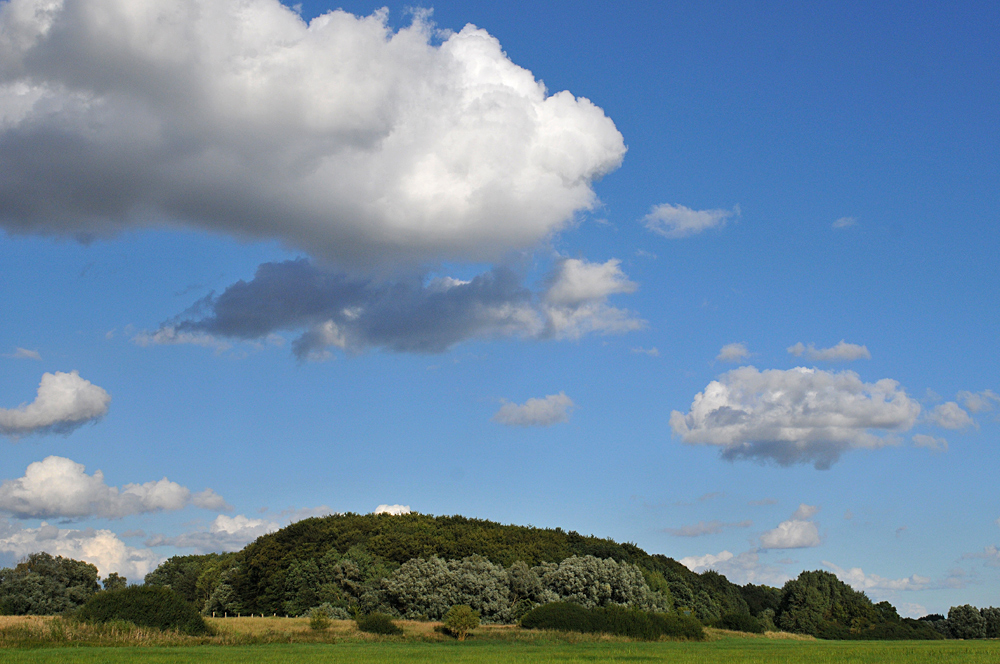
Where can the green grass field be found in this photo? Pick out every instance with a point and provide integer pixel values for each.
(728, 651)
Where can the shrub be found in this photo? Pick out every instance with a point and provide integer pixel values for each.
(740, 622)
(378, 623)
(613, 619)
(562, 616)
(157, 607)
(460, 620)
(319, 621)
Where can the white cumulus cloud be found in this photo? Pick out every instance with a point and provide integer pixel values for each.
(733, 352)
(796, 533)
(395, 510)
(707, 561)
(842, 352)
(57, 487)
(544, 412)
(950, 415)
(102, 548)
(741, 569)
(341, 137)
(795, 416)
(63, 403)
(677, 221)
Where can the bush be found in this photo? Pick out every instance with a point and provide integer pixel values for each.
(740, 622)
(460, 620)
(319, 621)
(378, 623)
(157, 607)
(618, 620)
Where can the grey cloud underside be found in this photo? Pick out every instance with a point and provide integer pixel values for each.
(409, 315)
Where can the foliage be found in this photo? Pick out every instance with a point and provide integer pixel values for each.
(460, 620)
(992, 617)
(612, 619)
(761, 598)
(196, 578)
(966, 622)
(276, 573)
(145, 606)
(319, 620)
(814, 600)
(378, 623)
(740, 622)
(45, 585)
(114, 582)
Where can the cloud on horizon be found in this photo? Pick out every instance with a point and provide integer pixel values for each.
(99, 547)
(64, 402)
(57, 487)
(795, 416)
(225, 533)
(340, 137)
(799, 532)
(337, 311)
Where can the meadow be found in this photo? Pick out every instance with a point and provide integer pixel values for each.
(38, 640)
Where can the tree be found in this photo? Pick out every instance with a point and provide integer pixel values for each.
(114, 582)
(460, 620)
(44, 585)
(966, 622)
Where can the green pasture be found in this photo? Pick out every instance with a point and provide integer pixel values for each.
(724, 651)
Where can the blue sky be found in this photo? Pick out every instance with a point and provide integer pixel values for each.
(374, 262)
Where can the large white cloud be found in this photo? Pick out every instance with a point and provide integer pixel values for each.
(799, 532)
(552, 409)
(64, 402)
(57, 487)
(795, 416)
(225, 533)
(340, 137)
(337, 311)
(100, 547)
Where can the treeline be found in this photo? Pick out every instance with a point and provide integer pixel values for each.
(418, 567)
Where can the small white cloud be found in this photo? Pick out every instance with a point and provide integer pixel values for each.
(705, 528)
(979, 402)
(707, 561)
(395, 510)
(796, 533)
(741, 569)
(991, 554)
(950, 415)
(210, 500)
(24, 354)
(102, 548)
(652, 352)
(677, 221)
(544, 412)
(930, 442)
(795, 416)
(63, 403)
(733, 352)
(857, 579)
(842, 352)
(226, 533)
(57, 487)
(575, 302)
(845, 222)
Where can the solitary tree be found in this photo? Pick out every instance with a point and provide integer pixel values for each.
(460, 620)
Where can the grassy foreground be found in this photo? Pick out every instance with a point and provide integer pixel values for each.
(281, 641)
